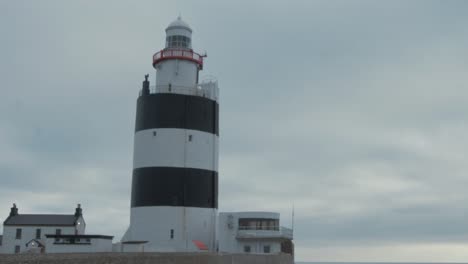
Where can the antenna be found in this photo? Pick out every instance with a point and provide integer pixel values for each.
(293, 219)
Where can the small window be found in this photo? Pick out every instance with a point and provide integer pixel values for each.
(18, 233)
(190, 138)
(38, 233)
(247, 249)
(154, 133)
(17, 249)
(58, 231)
(88, 240)
(266, 249)
(57, 239)
(172, 233)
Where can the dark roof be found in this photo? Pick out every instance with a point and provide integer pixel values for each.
(41, 220)
(79, 236)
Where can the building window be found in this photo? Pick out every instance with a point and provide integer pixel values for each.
(58, 232)
(258, 224)
(190, 138)
(172, 233)
(266, 249)
(18, 233)
(38, 233)
(154, 133)
(247, 249)
(88, 240)
(57, 239)
(17, 249)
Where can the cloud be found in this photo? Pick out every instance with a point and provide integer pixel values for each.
(352, 111)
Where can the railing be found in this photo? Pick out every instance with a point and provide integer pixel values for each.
(282, 233)
(259, 228)
(208, 90)
(182, 54)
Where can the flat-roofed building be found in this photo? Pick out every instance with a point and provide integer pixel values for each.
(253, 232)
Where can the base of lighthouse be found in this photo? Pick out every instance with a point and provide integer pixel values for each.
(178, 229)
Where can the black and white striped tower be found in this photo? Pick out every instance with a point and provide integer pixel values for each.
(175, 165)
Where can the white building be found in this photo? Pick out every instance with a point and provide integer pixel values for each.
(253, 232)
(50, 233)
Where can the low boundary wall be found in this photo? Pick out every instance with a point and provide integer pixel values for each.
(145, 258)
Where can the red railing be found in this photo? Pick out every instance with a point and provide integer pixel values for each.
(180, 54)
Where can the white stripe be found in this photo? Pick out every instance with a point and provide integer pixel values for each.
(172, 147)
(154, 224)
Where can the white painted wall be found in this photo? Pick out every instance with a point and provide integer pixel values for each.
(257, 246)
(171, 147)
(28, 233)
(181, 74)
(154, 224)
(80, 226)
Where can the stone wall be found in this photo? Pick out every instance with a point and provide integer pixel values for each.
(145, 258)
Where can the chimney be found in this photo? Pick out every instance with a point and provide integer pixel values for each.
(78, 211)
(14, 210)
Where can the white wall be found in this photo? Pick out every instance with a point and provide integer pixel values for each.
(171, 148)
(257, 246)
(226, 235)
(28, 233)
(81, 226)
(153, 223)
(181, 74)
(228, 226)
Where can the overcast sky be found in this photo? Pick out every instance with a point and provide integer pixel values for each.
(353, 111)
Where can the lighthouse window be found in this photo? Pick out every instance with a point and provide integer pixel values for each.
(247, 249)
(177, 42)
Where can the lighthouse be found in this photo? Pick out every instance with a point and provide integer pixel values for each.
(174, 194)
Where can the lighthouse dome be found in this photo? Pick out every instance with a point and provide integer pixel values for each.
(179, 24)
(179, 35)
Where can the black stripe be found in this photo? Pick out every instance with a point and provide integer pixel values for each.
(164, 110)
(171, 186)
